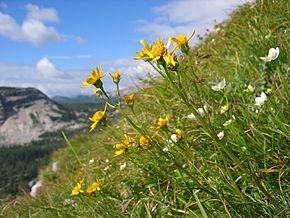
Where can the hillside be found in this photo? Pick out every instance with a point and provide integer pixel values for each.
(26, 114)
(210, 139)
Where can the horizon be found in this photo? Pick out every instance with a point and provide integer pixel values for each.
(48, 48)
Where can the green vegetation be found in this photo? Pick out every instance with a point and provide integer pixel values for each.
(20, 165)
(244, 173)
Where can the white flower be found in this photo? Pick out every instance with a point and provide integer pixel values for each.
(174, 138)
(191, 117)
(106, 160)
(228, 122)
(272, 55)
(200, 111)
(166, 149)
(123, 166)
(250, 89)
(220, 135)
(91, 161)
(261, 100)
(219, 86)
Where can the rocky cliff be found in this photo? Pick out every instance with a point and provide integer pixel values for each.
(27, 113)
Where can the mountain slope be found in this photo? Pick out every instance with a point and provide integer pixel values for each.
(27, 113)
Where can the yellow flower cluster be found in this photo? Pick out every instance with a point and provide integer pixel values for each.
(122, 147)
(95, 186)
(160, 53)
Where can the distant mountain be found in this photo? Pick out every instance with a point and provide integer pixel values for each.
(26, 114)
(78, 99)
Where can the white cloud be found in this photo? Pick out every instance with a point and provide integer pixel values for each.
(45, 76)
(9, 27)
(47, 69)
(52, 80)
(33, 28)
(184, 16)
(37, 33)
(41, 14)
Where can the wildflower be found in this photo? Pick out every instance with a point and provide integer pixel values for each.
(157, 53)
(219, 86)
(158, 50)
(95, 186)
(82, 181)
(144, 54)
(178, 134)
(224, 108)
(191, 117)
(228, 122)
(221, 135)
(272, 55)
(161, 122)
(261, 100)
(200, 111)
(268, 91)
(91, 161)
(182, 42)
(165, 149)
(77, 190)
(250, 89)
(129, 99)
(94, 78)
(122, 147)
(143, 141)
(99, 116)
(203, 110)
(169, 59)
(123, 166)
(116, 77)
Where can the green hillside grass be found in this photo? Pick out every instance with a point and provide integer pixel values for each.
(244, 174)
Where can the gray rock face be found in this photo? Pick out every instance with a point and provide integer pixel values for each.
(27, 113)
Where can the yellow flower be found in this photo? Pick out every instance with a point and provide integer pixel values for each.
(143, 141)
(170, 59)
(182, 42)
(158, 50)
(116, 77)
(144, 54)
(129, 99)
(179, 134)
(97, 117)
(122, 147)
(161, 122)
(82, 181)
(224, 108)
(94, 187)
(119, 152)
(94, 78)
(77, 190)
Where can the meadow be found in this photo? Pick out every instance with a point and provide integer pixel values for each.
(208, 137)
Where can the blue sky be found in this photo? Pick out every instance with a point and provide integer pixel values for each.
(52, 45)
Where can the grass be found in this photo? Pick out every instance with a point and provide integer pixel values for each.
(244, 174)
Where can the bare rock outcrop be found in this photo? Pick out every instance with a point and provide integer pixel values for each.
(27, 113)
